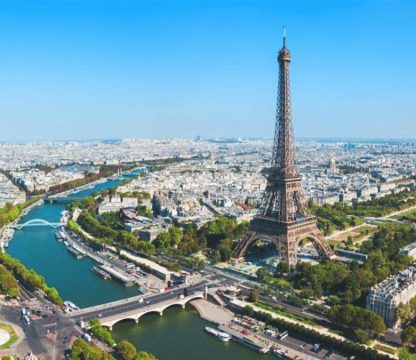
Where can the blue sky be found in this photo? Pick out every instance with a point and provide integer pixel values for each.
(101, 69)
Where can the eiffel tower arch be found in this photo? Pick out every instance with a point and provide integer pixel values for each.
(284, 217)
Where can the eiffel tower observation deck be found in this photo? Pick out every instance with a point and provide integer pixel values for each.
(284, 217)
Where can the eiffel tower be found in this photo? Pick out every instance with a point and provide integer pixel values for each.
(284, 217)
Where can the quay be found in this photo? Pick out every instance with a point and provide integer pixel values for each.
(117, 275)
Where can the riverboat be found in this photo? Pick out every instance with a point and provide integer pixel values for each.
(100, 272)
(77, 254)
(71, 305)
(254, 345)
(58, 236)
(223, 336)
(281, 355)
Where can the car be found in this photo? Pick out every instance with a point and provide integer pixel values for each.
(100, 315)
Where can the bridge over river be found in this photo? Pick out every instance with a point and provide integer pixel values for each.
(135, 307)
(35, 222)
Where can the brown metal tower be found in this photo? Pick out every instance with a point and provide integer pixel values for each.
(284, 216)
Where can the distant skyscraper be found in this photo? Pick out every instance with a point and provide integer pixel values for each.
(284, 216)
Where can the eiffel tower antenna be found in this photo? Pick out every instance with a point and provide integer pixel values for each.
(284, 36)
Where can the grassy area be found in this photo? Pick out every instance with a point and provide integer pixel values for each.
(286, 314)
(12, 333)
(386, 349)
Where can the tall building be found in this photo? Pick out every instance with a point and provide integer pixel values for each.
(284, 216)
(386, 296)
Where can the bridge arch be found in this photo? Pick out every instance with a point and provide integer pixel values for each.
(173, 305)
(316, 241)
(153, 311)
(126, 319)
(289, 251)
(37, 222)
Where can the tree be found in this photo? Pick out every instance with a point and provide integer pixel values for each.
(408, 336)
(253, 297)
(404, 354)
(282, 268)
(217, 256)
(263, 274)
(81, 350)
(356, 318)
(403, 312)
(249, 311)
(126, 350)
(361, 336)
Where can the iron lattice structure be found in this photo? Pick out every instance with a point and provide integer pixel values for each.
(284, 216)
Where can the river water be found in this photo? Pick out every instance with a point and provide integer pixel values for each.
(178, 334)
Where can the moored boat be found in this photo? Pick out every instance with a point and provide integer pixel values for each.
(223, 336)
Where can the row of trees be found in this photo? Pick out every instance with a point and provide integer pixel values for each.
(347, 348)
(104, 233)
(8, 283)
(353, 281)
(218, 235)
(362, 322)
(10, 212)
(340, 216)
(101, 333)
(81, 350)
(406, 311)
(334, 217)
(29, 277)
(104, 171)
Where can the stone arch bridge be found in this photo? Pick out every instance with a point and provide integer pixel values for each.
(136, 311)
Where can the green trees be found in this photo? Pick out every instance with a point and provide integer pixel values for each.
(169, 238)
(10, 212)
(263, 274)
(356, 318)
(92, 226)
(127, 351)
(101, 333)
(404, 354)
(347, 348)
(340, 216)
(8, 283)
(408, 336)
(29, 277)
(81, 350)
(353, 281)
(253, 297)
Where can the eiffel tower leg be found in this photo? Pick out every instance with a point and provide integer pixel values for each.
(243, 244)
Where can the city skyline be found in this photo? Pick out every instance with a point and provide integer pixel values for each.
(206, 69)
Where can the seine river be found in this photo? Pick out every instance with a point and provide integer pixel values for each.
(178, 334)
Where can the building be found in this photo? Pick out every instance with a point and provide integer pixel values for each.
(385, 297)
(116, 202)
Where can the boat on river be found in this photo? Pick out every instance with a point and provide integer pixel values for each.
(58, 236)
(101, 272)
(223, 336)
(75, 252)
(281, 355)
